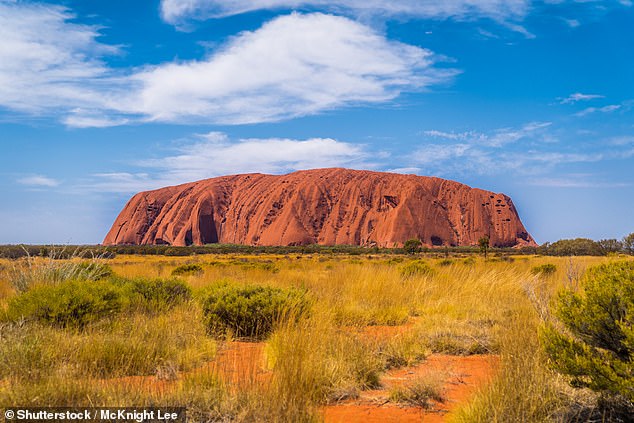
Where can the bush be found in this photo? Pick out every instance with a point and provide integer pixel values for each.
(68, 304)
(156, 294)
(420, 392)
(544, 269)
(594, 344)
(188, 269)
(412, 246)
(77, 303)
(572, 247)
(416, 268)
(250, 311)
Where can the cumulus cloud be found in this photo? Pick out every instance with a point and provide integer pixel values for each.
(38, 181)
(176, 11)
(48, 64)
(294, 65)
(215, 154)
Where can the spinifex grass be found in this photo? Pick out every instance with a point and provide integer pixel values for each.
(464, 307)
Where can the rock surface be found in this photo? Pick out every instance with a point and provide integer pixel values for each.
(324, 206)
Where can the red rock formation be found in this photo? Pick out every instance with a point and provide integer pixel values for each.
(324, 206)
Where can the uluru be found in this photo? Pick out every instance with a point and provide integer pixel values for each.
(323, 206)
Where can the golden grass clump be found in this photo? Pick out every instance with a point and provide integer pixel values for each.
(366, 316)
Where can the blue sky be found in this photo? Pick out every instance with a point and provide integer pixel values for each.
(102, 99)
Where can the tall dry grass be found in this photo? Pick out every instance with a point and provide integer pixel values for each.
(461, 307)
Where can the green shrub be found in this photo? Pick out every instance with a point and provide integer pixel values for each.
(445, 262)
(188, 269)
(544, 269)
(412, 246)
(250, 311)
(416, 268)
(469, 261)
(68, 304)
(594, 342)
(572, 247)
(156, 294)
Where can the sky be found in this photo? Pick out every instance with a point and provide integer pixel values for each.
(102, 99)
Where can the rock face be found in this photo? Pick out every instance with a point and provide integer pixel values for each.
(324, 206)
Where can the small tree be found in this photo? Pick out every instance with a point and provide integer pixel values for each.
(483, 243)
(610, 246)
(593, 339)
(412, 246)
(628, 243)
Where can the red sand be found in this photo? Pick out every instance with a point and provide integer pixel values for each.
(237, 364)
(464, 376)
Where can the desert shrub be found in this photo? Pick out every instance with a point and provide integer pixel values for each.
(572, 247)
(250, 311)
(412, 246)
(188, 269)
(454, 344)
(544, 269)
(155, 294)
(420, 392)
(469, 261)
(594, 344)
(445, 262)
(68, 304)
(416, 268)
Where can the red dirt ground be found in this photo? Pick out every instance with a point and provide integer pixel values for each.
(237, 364)
(463, 375)
(242, 364)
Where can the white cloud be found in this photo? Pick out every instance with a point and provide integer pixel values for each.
(38, 181)
(526, 149)
(177, 11)
(573, 98)
(605, 109)
(214, 154)
(294, 65)
(48, 64)
(497, 138)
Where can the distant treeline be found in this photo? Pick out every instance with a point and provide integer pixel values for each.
(67, 251)
(564, 247)
(588, 247)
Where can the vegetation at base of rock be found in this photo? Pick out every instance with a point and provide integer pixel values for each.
(187, 269)
(483, 243)
(412, 246)
(250, 311)
(593, 340)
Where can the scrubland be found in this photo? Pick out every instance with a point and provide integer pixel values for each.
(148, 329)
